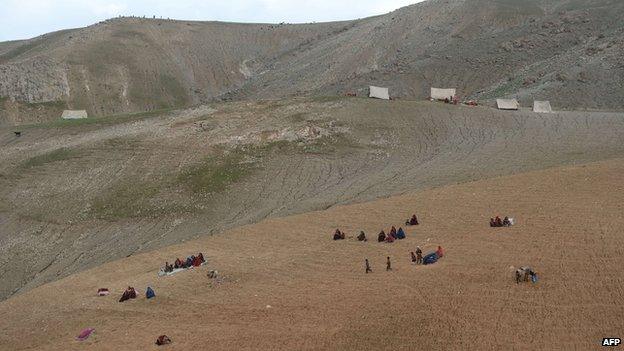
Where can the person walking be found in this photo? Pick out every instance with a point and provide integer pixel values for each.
(388, 264)
(368, 268)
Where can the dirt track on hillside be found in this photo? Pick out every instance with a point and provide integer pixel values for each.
(568, 230)
(380, 149)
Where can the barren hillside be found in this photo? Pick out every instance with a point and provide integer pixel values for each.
(567, 51)
(285, 285)
(76, 194)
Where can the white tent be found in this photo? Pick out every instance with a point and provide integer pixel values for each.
(441, 94)
(74, 114)
(542, 107)
(507, 104)
(379, 93)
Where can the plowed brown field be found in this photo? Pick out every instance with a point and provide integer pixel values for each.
(288, 286)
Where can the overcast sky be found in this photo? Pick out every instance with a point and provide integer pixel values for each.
(21, 19)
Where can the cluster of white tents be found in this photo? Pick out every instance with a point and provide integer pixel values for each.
(450, 93)
(513, 104)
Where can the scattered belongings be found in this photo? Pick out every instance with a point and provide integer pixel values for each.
(507, 104)
(163, 340)
(430, 258)
(412, 221)
(362, 236)
(130, 293)
(213, 274)
(400, 234)
(84, 334)
(379, 93)
(149, 293)
(351, 94)
(381, 237)
(18, 134)
(338, 235)
(542, 107)
(181, 265)
(103, 292)
(524, 274)
(498, 222)
(471, 103)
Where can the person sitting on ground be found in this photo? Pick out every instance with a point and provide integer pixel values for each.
(499, 221)
(197, 261)
(412, 221)
(338, 235)
(362, 236)
(419, 256)
(506, 222)
(178, 263)
(381, 237)
(168, 267)
(440, 252)
(201, 257)
(393, 232)
(130, 293)
(414, 259)
(524, 274)
(189, 262)
(163, 340)
(492, 223)
(400, 234)
(390, 238)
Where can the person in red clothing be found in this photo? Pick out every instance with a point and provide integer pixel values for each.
(393, 232)
(440, 252)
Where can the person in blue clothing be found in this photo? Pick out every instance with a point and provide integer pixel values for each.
(149, 293)
(400, 233)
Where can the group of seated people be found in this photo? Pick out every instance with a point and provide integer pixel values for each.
(191, 261)
(338, 235)
(498, 222)
(412, 221)
(392, 236)
(525, 274)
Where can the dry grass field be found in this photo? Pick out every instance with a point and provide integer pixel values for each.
(287, 286)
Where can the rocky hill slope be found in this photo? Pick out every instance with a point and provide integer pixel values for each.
(568, 51)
